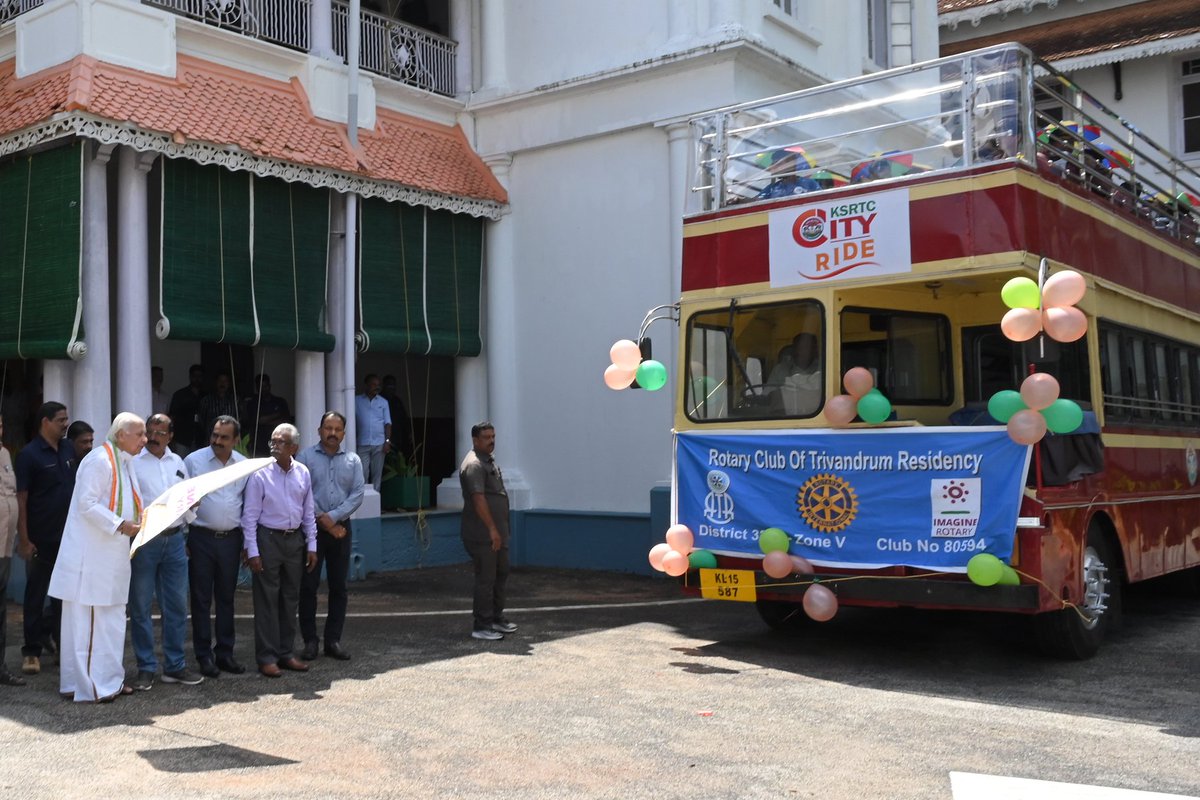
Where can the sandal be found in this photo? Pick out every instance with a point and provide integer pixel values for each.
(8, 679)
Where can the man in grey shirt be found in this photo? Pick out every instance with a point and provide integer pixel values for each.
(485, 532)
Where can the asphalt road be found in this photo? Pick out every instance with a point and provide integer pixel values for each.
(616, 687)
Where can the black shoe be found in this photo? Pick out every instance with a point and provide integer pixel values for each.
(230, 665)
(335, 650)
(309, 653)
(8, 679)
(209, 670)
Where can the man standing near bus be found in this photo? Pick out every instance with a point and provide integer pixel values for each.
(485, 532)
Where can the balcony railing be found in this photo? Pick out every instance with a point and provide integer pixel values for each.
(993, 105)
(10, 9)
(388, 47)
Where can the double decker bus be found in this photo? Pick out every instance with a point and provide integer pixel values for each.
(873, 223)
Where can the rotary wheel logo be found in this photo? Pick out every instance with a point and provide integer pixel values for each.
(827, 503)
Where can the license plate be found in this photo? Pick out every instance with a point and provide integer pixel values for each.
(728, 584)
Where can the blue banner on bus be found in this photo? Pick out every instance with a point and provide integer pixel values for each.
(919, 497)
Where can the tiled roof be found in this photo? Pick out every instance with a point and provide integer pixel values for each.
(1092, 33)
(270, 119)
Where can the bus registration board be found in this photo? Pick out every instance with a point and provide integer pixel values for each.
(728, 584)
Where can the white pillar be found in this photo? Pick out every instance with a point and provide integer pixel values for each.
(461, 32)
(724, 18)
(133, 273)
(93, 374)
(57, 383)
(320, 40)
(310, 393)
(681, 20)
(502, 344)
(678, 142)
(334, 304)
(495, 51)
(347, 331)
(470, 406)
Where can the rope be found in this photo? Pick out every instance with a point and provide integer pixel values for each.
(24, 253)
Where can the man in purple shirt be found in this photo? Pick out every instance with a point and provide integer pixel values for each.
(280, 532)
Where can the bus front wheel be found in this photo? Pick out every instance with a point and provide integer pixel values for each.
(1077, 632)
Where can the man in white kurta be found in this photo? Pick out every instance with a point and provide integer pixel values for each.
(91, 575)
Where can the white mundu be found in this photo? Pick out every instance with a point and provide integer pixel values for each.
(91, 575)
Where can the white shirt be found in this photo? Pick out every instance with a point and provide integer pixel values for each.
(93, 561)
(371, 414)
(156, 475)
(220, 510)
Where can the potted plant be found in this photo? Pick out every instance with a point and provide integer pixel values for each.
(402, 485)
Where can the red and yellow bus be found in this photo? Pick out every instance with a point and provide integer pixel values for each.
(873, 223)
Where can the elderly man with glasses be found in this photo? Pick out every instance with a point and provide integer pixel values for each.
(280, 530)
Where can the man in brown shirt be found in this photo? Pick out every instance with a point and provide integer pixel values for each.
(485, 532)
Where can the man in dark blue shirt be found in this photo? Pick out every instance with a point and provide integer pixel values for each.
(44, 485)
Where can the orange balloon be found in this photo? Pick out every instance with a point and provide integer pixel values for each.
(820, 603)
(1039, 390)
(1064, 288)
(1027, 426)
(625, 354)
(801, 566)
(1064, 324)
(658, 553)
(675, 564)
(858, 381)
(680, 538)
(618, 378)
(841, 409)
(1021, 324)
(777, 564)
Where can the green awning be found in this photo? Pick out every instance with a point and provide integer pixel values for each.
(243, 259)
(41, 254)
(419, 280)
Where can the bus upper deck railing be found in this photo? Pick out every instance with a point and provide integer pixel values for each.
(999, 104)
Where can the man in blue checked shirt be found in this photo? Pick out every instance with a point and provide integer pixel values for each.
(337, 482)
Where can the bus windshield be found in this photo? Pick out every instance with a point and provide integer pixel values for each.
(756, 362)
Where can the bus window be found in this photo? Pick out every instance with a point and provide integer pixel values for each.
(992, 362)
(756, 362)
(1148, 378)
(908, 353)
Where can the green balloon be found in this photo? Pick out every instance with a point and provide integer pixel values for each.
(651, 375)
(1021, 293)
(873, 407)
(773, 539)
(1009, 576)
(1063, 416)
(1004, 403)
(985, 569)
(702, 559)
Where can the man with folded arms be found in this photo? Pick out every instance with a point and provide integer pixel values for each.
(215, 552)
(280, 531)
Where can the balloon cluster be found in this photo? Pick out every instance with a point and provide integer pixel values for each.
(819, 602)
(627, 364)
(985, 569)
(676, 556)
(862, 399)
(1050, 309)
(1035, 409)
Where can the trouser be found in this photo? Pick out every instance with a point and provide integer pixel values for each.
(276, 591)
(38, 623)
(335, 555)
(93, 641)
(159, 567)
(491, 575)
(371, 456)
(212, 577)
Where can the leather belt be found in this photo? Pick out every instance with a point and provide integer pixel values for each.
(281, 531)
(215, 534)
